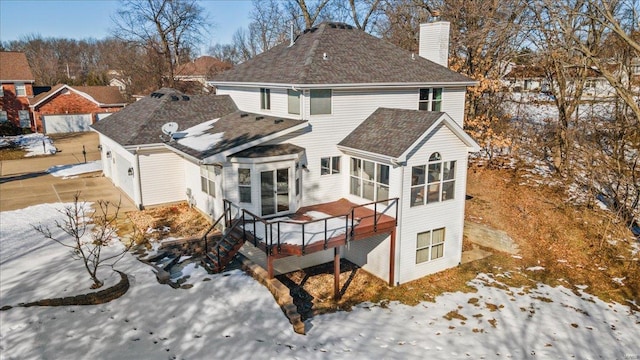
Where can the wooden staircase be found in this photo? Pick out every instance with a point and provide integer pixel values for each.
(223, 248)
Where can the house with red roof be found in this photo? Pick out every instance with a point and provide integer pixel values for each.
(16, 88)
(335, 145)
(65, 108)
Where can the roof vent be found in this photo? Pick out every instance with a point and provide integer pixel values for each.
(325, 56)
(259, 118)
(242, 115)
(174, 98)
(332, 25)
(185, 98)
(277, 121)
(413, 56)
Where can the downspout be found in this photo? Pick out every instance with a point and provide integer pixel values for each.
(399, 227)
(138, 177)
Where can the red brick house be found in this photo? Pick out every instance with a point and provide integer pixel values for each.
(67, 108)
(16, 84)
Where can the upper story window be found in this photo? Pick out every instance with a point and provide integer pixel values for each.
(21, 90)
(591, 84)
(330, 165)
(369, 179)
(320, 101)
(1, 91)
(293, 98)
(265, 99)
(430, 99)
(434, 182)
(635, 69)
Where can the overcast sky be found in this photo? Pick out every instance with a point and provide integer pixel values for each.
(92, 18)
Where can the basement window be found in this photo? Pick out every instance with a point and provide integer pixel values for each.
(430, 245)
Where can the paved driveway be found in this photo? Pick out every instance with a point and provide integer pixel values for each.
(25, 182)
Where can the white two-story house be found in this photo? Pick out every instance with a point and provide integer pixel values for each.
(335, 145)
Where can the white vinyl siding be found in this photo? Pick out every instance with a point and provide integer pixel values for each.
(161, 177)
(444, 214)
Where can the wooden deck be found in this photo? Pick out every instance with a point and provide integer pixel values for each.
(366, 223)
(360, 223)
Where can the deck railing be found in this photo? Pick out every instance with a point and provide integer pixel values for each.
(272, 237)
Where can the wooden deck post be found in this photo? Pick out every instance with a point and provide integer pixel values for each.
(392, 258)
(269, 266)
(336, 272)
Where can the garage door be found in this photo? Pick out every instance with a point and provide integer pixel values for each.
(66, 123)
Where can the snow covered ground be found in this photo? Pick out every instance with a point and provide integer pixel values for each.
(232, 316)
(33, 144)
(72, 170)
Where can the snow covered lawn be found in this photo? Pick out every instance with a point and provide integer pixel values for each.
(232, 316)
(33, 144)
(72, 170)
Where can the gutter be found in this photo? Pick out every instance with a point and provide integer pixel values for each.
(446, 84)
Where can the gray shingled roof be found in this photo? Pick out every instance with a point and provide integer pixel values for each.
(237, 129)
(269, 150)
(141, 122)
(390, 132)
(353, 57)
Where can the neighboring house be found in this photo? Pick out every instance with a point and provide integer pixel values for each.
(119, 80)
(526, 78)
(16, 88)
(200, 71)
(359, 142)
(66, 108)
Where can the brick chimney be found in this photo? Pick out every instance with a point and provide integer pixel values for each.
(434, 42)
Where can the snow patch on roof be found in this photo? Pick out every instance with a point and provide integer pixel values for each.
(200, 137)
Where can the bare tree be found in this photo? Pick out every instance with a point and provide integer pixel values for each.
(171, 28)
(87, 233)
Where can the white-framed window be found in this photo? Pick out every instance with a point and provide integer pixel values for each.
(208, 179)
(590, 84)
(1, 91)
(21, 90)
(635, 69)
(430, 99)
(293, 99)
(265, 99)
(3, 116)
(25, 119)
(244, 185)
(330, 165)
(369, 180)
(429, 245)
(320, 101)
(433, 182)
